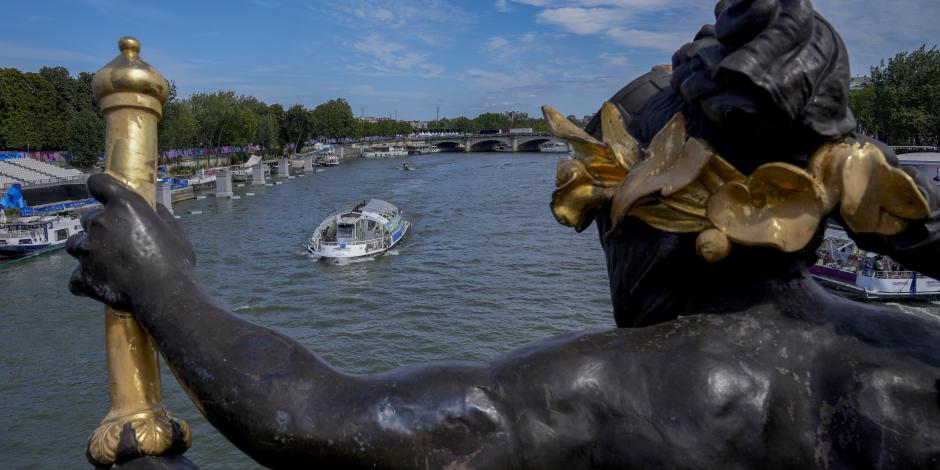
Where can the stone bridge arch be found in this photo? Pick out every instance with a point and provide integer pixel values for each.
(531, 144)
(449, 145)
(487, 144)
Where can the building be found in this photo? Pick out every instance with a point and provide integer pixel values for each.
(857, 83)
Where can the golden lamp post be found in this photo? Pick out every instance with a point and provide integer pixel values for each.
(132, 94)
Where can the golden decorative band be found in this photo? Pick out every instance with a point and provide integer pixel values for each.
(679, 184)
(153, 431)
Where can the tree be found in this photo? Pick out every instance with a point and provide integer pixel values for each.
(281, 117)
(296, 125)
(901, 107)
(333, 119)
(216, 116)
(178, 128)
(267, 134)
(85, 139)
(862, 103)
(244, 128)
(30, 112)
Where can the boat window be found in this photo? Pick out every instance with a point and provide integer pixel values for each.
(344, 231)
(61, 234)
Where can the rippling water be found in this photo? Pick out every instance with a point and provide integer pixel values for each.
(484, 269)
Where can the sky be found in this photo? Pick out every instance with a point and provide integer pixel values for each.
(414, 58)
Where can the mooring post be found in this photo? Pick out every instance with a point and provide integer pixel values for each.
(132, 94)
(223, 183)
(165, 195)
(308, 164)
(257, 175)
(283, 167)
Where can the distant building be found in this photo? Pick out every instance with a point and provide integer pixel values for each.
(372, 119)
(516, 115)
(419, 124)
(857, 83)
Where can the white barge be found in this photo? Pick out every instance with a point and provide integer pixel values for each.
(36, 234)
(364, 229)
(844, 267)
(385, 152)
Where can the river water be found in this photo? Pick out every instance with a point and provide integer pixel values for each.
(484, 269)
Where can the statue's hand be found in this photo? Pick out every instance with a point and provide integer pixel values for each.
(128, 251)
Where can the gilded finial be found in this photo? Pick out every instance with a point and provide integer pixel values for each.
(129, 43)
(129, 73)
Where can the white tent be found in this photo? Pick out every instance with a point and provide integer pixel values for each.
(254, 160)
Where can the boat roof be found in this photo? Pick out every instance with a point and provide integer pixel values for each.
(375, 209)
(920, 157)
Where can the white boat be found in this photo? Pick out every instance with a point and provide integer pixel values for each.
(408, 167)
(36, 234)
(240, 175)
(845, 267)
(385, 152)
(927, 163)
(327, 160)
(554, 146)
(364, 229)
(425, 149)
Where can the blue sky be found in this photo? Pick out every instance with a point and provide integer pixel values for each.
(413, 56)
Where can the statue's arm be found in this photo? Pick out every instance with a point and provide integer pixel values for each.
(275, 399)
(282, 404)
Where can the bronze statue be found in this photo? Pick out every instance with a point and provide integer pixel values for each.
(722, 171)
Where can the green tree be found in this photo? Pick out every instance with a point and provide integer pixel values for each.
(30, 113)
(862, 103)
(280, 116)
(268, 131)
(244, 128)
(333, 119)
(178, 128)
(296, 125)
(85, 139)
(902, 108)
(216, 116)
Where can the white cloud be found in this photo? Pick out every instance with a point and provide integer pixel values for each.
(432, 21)
(659, 25)
(389, 58)
(13, 51)
(614, 60)
(505, 49)
(874, 30)
(584, 20)
(502, 6)
(371, 91)
(666, 42)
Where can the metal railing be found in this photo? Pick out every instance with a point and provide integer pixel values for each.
(889, 274)
(373, 244)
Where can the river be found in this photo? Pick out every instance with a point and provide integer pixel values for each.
(485, 269)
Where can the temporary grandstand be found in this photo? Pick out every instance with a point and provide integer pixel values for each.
(20, 169)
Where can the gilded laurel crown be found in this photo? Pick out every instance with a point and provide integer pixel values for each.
(680, 184)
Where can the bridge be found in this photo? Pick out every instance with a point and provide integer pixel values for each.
(465, 142)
